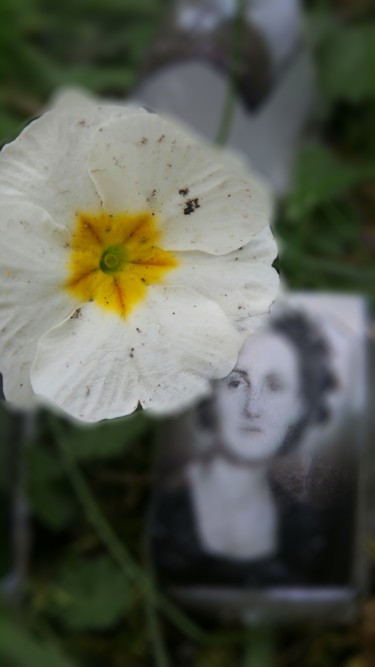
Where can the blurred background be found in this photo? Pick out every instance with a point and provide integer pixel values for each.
(309, 129)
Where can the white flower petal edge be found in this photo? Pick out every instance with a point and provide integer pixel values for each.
(233, 160)
(81, 158)
(243, 282)
(47, 165)
(32, 260)
(144, 162)
(80, 101)
(96, 366)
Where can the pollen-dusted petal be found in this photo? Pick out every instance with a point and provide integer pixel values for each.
(98, 366)
(144, 163)
(243, 282)
(32, 259)
(47, 165)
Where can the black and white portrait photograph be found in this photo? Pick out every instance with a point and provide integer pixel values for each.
(258, 487)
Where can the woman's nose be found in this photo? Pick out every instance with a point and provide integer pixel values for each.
(252, 407)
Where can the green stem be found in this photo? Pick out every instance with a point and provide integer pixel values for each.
(230, 98)
(120, 555)
(160, 651)
(260, 649)
(161, 657)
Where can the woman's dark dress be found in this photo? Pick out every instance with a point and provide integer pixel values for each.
(315, 547)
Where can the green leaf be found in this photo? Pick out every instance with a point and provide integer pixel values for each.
(52, 504)
(9, 127)
(346, 64)
(48, 494)
(90, 595)
(106, 440)
(23, 649)
(321, 177)
(42, 465)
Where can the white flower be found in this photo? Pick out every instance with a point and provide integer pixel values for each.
(133, 262)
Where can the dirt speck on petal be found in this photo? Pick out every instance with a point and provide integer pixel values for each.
(191, 206)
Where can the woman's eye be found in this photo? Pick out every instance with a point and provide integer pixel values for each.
(274, 383)
(234, 384)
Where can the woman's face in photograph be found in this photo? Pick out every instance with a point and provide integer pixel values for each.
(258, 402)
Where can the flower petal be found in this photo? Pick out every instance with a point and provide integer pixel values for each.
(243, 283)
(33, 265)
(143, 162)
(100, 366)
(47, 164)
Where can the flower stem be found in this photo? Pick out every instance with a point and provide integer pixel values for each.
(18, 433)
(230, 98)
(260, 649)
(161, 657)
(119, 553)
(160, 651)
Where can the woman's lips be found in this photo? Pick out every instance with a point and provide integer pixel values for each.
(250, 429)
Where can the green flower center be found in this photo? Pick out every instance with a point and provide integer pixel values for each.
(113, 259)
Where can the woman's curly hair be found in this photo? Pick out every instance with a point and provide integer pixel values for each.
(317, 377)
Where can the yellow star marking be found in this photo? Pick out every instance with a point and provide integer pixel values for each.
(114, 258)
